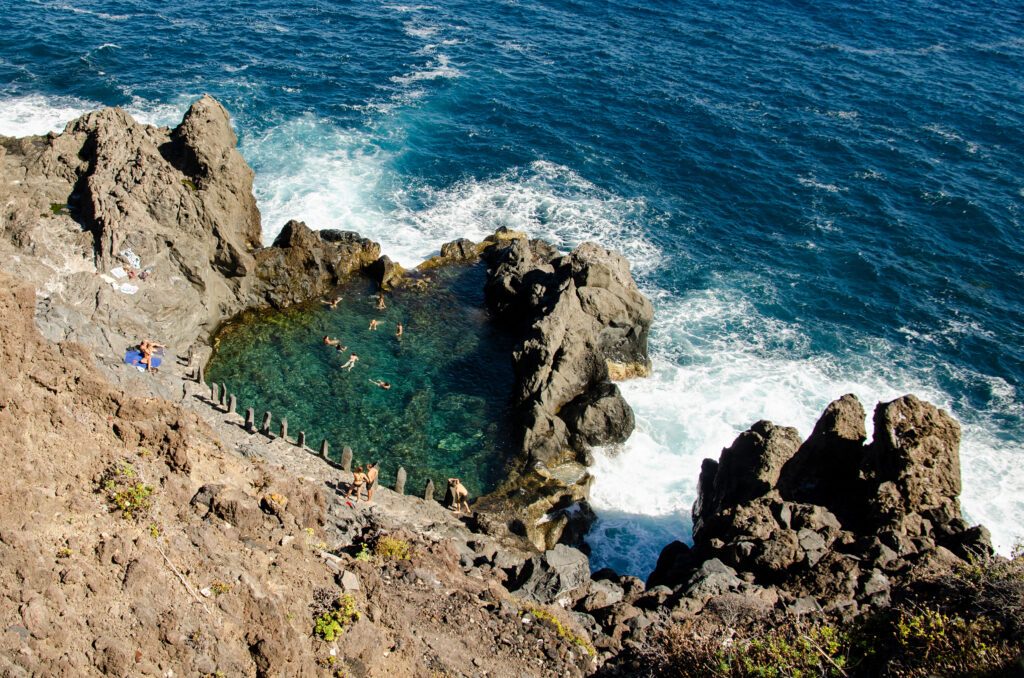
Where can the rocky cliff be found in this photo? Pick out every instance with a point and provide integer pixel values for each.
(830, 521)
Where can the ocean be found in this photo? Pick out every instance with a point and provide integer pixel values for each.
(819, 198)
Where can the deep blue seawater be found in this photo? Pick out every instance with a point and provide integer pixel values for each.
(820, 198)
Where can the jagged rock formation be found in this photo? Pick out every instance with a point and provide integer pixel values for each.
(829, 521)
(180, 199)
(303, 263)
(575, 314)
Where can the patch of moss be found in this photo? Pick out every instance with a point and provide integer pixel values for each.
(58, 208)
(187, 183)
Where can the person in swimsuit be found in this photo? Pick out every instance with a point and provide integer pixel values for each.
(372, 471)
(358, 482)
(146, 349)
(380, 302)
(380, 382)
(332, 304)
(331, 342)
(351, 362)
(373, 325)
(399, 330)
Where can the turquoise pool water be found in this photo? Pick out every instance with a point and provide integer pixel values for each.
(446, 412)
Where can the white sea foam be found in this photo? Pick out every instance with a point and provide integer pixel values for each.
(415, 30)
(38, 114)
(812, 182)
(437, 68)
(718, 367)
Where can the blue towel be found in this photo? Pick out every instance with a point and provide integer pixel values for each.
(134, 358)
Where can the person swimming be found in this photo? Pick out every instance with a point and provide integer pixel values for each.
(380, 382)
(331, 304)
(380, 302)
(399, 330)
(373, 325)
(331, 342)
(351, 362)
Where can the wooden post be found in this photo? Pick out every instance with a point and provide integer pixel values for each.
(301, 442)
(284, 428)
(346, 459)
(324, 447)
(232, 403)
(428, 491)
(265, 429)
(400, 480)
(250, 420)
(214, 390)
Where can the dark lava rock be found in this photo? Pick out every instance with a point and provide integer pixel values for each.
(304, 264)
(559, 573)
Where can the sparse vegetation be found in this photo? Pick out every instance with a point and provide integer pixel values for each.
(58, 208)
(387, 547)
(562, 630)
(364, 553)
(969, 622)
(125, 493)
(332, 623)
(219, 588)
(64, 552)
(189, 184)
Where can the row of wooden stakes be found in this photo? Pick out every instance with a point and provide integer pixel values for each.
(228, 402)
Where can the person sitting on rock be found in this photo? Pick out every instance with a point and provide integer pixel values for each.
(146, 350)
(460, 495)
(351, 362)
(373, 325)
(372, 471)
(358, 482)
(331, 342)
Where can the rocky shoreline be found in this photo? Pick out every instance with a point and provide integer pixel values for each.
(829, 527)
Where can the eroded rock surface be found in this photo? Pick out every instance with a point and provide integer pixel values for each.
(831, 519)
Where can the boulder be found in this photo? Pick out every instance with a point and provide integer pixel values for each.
(599, 417)
(561, 573)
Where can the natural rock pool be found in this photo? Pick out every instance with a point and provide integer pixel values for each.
(446, 413)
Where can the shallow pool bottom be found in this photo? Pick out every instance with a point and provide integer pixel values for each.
(446, 412)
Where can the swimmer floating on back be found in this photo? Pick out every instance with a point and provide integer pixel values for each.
(351, 362)
(331, 304)
(380, 382)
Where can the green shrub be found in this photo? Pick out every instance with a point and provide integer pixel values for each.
(392, 548)
(333, 622)
(124, 493)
